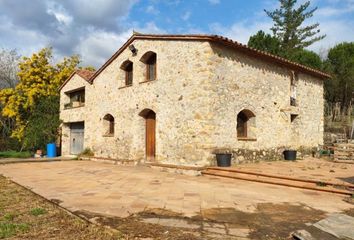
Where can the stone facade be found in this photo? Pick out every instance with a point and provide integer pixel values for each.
(200, 88)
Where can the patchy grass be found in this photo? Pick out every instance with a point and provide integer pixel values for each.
(8, 229)
(37, 211)
(14, 154)
(24, 215)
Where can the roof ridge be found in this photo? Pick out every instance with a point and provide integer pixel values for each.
(216, 38)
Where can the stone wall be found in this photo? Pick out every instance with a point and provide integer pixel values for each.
(199, 90)
(78, 114)
(243, 82)
(179, 97)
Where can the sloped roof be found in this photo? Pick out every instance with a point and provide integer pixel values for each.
(85, 74)
(222, 40)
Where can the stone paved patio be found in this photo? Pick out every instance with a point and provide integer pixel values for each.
(121, 190)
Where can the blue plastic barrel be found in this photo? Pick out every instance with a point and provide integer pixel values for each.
(51, 150)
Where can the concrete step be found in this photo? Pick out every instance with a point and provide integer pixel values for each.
(344, 189)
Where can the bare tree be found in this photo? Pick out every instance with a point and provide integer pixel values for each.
(8, 68)
(8, 79)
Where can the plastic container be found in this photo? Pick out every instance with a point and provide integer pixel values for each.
(290, 155)
(223, 159)
(51, 150)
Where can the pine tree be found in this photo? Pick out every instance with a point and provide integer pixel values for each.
(265, 42)
(288, 28)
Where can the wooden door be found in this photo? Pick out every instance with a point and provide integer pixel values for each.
(150, 136)
(76, 137)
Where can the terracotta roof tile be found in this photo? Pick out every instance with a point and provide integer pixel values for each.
(85, 74)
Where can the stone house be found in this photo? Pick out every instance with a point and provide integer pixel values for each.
(177, 99)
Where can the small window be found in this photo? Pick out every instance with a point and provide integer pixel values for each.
(149, 59)
(127, 67)
(108, 124)
(244, 123)
(293, 117)
(293, 85)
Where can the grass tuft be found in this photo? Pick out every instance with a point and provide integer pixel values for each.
(10, 229)
(9, 217)
(38, 211)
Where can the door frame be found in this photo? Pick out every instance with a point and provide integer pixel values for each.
(70, 138)
(149, 114)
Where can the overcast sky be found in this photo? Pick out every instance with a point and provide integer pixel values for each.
(95, 29)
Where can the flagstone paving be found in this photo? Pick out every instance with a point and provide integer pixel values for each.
(124, 190)
(121, 190)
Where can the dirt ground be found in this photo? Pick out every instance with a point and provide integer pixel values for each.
(24, 215)
(33, 217)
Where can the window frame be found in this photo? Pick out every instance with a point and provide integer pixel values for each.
(244, 116)
(151, 65)
(75, 96)
(150, 60)
(109, 125)
(128, 68)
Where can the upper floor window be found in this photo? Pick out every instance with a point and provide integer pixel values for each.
(127, 67)
(149, 58)
(108, 124)
(293, 85)
(77, 98)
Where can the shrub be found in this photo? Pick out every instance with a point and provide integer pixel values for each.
(87, 152)
(37, 211)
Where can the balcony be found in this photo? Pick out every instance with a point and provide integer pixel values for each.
(75, 104)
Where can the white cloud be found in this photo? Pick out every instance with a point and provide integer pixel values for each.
(24, 40)
(186, 15)
(334, 11)
(152, 10)
(97, 47)
(240, 31)
(59, 13)
(92, 28)
(337, 31)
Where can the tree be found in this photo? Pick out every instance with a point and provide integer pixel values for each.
(265, 42)
(288, 27)
(340, 88)
(38, 78)
(43, 123)
(8, 79)
(8, 68)
(307, 58)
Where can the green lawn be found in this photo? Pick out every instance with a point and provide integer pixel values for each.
(14, 154)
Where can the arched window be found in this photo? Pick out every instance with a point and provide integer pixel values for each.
(127, 67)
(149, 58)
(245, 120)
(108, 124)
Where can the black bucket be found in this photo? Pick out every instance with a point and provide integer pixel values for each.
(223, 159)
(290, 155)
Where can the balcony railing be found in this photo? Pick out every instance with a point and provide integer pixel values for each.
(73, 105)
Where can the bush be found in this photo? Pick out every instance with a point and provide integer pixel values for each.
(43, 123)
(87, 152)
(37, 211)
